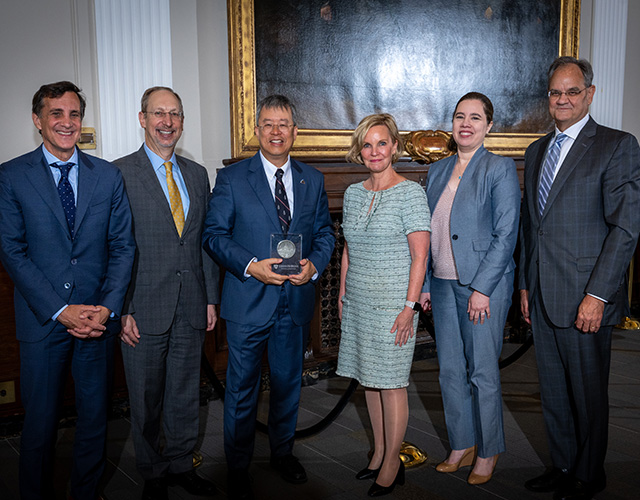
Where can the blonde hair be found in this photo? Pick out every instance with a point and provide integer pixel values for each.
(357, 139)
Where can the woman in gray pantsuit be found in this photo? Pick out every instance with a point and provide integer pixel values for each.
(474, 198)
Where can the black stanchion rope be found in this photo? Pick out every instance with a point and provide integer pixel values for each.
(344, 399)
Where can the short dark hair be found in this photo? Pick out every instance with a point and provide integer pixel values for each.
(583, 65)
(277, 101)
(487, 106)
(144, 102)
(53, 91)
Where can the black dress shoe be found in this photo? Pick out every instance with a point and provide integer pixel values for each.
(580, 490)
(155, 489)
(192, 483)
(239, 485)
(290, 469)
(368, 473)
(377, 491)
(552, 479)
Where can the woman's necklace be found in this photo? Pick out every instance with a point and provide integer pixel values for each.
(459, 169)
(456, 176)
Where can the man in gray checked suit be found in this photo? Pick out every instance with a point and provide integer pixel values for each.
(580, 223)
(170, 302)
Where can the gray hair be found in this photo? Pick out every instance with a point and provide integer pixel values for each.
(144, 102)
(277, 101)
(583, 65)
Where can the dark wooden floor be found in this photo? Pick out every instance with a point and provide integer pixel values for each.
(333, 456)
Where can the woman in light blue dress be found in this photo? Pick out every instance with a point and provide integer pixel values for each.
(386, 227)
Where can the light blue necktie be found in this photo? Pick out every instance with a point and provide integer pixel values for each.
(548, 169)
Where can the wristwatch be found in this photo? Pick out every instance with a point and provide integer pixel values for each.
(413, 305)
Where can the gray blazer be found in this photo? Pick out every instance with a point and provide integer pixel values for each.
(167, 265)
(587, 234)
(484, 217)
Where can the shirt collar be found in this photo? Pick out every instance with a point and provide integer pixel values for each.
(574, 130)
(52, 158)
(270, 168)
(157, 162)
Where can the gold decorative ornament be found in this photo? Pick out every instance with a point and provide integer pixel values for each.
(411, 455)
(427, 145)
(628, 323)
(197, 459)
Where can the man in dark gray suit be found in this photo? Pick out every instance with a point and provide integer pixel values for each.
(170, 302)
(580, 223)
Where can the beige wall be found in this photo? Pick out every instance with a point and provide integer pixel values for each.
(201, 77)
(45, 41)
(53, 45)
(631, 111)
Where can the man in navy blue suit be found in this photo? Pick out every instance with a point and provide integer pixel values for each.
(66, 242)
(267, 194)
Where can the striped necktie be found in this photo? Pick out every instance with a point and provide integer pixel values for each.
(174, 198)
(548, 169)
(282, 203)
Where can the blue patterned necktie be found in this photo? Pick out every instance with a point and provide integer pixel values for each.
(548, 169)
(66, 194)
(282, 203)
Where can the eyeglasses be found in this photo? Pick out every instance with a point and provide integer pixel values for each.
(161, 115)
(555, 94)
(269, 127)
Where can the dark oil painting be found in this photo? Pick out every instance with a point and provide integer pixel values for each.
(340, 60)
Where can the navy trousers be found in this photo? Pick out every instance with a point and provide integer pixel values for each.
(285, 343)
(43, 372)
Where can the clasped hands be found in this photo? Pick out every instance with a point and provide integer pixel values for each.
(261, 270)
(84, 321)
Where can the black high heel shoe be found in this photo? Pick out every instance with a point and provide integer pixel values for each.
(377, 491)
(368, 473)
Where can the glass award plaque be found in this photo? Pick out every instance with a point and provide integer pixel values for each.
(287, 247)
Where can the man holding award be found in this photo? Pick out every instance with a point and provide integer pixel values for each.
(268, 225)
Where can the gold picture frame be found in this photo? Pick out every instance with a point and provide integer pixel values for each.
(326, 143)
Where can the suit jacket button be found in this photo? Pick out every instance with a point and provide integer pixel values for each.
(178, 273)
(541, 232)
(67, 286)
(454, 237)
(74, 262)
(181, 242)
